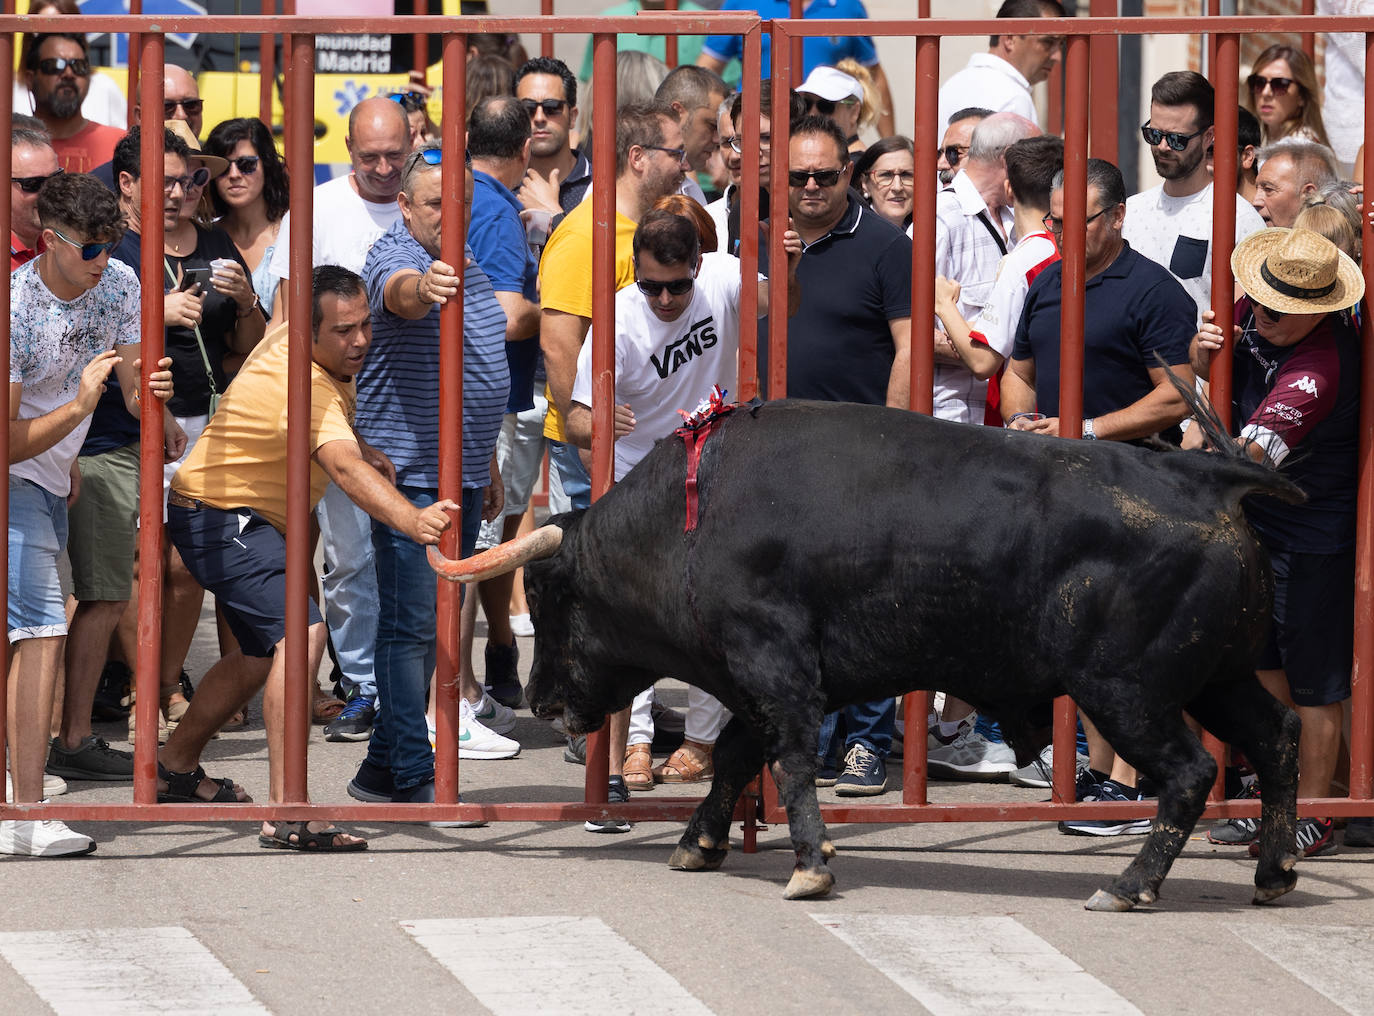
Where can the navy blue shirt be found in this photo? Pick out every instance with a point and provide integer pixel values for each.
(497, 238)
(853, 280)
(1133, 309)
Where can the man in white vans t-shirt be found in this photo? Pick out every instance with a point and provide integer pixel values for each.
(676, 336)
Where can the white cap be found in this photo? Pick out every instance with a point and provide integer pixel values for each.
(832, 84)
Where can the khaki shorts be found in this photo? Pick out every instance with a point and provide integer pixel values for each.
(103, 525)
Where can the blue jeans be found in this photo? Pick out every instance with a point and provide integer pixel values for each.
(872, 723)
(576, 485)
(406, 642)
(350, 588)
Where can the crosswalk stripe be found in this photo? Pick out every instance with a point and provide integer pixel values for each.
(538, 965)
(993, 964)
(127, 972)
(1330, 959)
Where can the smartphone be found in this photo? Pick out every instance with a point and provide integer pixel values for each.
(195, 277)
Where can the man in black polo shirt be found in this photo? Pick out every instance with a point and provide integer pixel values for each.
(1135, 313)
(848, 342)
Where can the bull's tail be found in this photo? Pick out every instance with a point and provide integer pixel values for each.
(1232, 463)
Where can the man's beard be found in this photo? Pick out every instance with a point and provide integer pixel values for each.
(1182, 168)
(947, 176)
(64, 102)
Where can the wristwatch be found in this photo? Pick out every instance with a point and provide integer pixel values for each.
(1088, 434)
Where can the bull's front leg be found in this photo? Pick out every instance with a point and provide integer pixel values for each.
(737, 757)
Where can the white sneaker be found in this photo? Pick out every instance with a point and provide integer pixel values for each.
(53, 786)
(494, 716)
(971, 756)
(43, 839)
(520, 624)
(475, 739)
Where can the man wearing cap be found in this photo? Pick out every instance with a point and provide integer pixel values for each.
(833, 93)
(1001, 78)
(1295, 404)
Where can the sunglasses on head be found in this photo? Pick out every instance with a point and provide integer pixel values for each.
(953, 153)
(81, 67)
(246, 164)
(31, 184)
(823, 177)
(409, 101)
(1176, 141)
(652, 288)
(551, 107)
(1279, 86)
(825, 107)
(192, 107)
(89, 251)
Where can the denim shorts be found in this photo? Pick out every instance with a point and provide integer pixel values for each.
(38, 534)
(241, 558)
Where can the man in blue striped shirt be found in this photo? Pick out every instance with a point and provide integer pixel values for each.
(398, 412)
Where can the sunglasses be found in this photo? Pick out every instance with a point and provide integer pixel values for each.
(31, 184)
(1279, 86)
(89, 251)
(736, 143)
(246, 164)
(197, 179)
(1056, 225)
(411, 102)
(823, 177)
(1178, 142)
(825, 107)
(953, 153)
(551, 107)
(192, 107)
(81, 67)
(652, 288)
(1273, 315)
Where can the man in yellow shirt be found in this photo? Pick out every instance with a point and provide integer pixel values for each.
(227, 517)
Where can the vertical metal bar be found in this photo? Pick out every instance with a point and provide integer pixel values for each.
(451, 238)
(923, 227)
(7, 166)
(1071, 331)
(602, 338)
(148, 666)
(135, 45)
(1309, 39)
(748, 128)
(1361, 692)
(1105, 83)
(546, 39)
(780, 127)
(670, 41)
(1213, 10)
(796, 55)
(1225, 157)
(267, 66)
(419, 43)
(300, 141)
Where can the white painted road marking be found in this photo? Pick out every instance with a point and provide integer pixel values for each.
(1329, 959)
(541, 965)
(992, 964)
(127, 972)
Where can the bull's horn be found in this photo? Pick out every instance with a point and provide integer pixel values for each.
(506, 557)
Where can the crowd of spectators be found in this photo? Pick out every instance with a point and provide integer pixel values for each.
(680, 137)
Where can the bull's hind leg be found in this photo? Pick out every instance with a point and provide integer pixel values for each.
(737, 757)
(1242, 713)
(1163, 748)
(794, 771)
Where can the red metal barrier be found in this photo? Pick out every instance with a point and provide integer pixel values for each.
(298, 57)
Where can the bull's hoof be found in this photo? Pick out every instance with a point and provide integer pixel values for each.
(1268, 893)
(1103, 902)
(699, 858)
(827, 850)
(807, 882)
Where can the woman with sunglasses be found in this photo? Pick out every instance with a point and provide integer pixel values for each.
(885, 173)
(1283, 95)
(250, 198)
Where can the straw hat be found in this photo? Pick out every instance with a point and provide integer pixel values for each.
(213, 163)
(1296, 271)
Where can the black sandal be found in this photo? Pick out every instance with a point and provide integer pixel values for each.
(321, 842)
(182, 787)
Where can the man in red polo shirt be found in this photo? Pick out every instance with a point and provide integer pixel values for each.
(32, 162)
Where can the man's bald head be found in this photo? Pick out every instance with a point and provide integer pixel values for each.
(377, 113)
(179, 87)
(378, 142)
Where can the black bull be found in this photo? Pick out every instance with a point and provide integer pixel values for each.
(848, 553)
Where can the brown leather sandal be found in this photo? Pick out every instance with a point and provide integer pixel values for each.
(689, 764)
(639, 768)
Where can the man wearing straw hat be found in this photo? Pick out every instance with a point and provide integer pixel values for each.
(1296, 389)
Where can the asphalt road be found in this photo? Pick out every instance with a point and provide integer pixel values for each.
(522, 917)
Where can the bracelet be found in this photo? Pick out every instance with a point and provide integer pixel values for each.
(251, 307)
(418, 297)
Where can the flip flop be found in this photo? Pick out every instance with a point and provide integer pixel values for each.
(305, 841)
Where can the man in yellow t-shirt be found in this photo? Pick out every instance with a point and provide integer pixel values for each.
(227, 517)
(649, 163)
